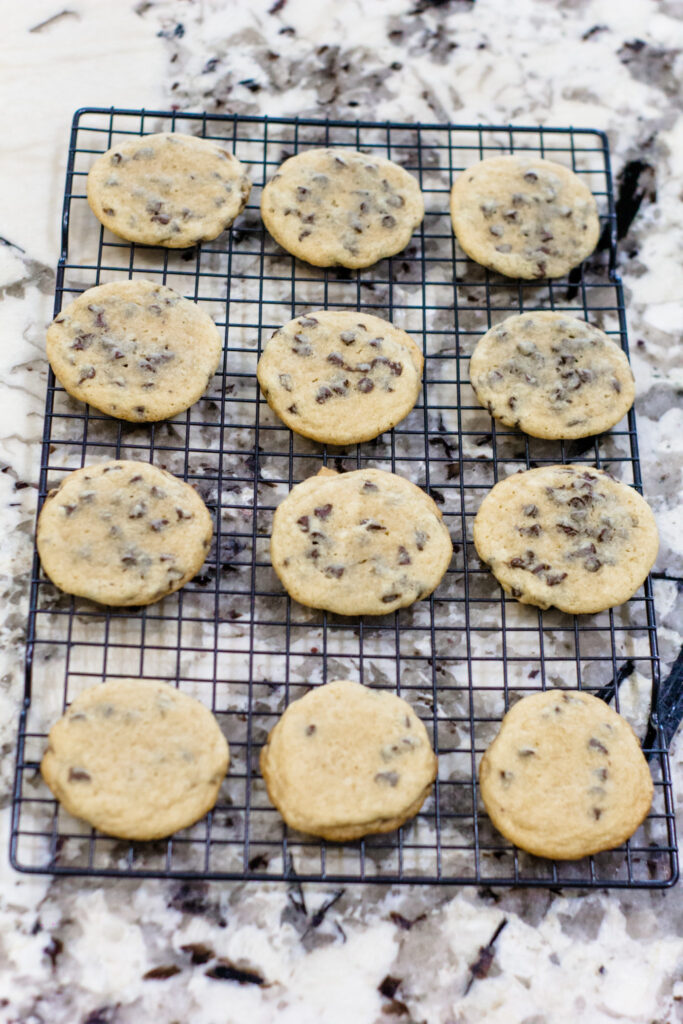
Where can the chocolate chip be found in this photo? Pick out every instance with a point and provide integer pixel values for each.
(530, 531)
(69, 509)
(313, 553)
(395, 367)
(592, 564)
(601, 773)
(129, 559)
(510, 214)
(322, 394)
(395, 200)
(307, 321)
(304, 234)
(526, 752)
(335, 359)
(285, 381)
(158, 524)
(82, 342)
(138, 510)
(421, 539)
(540, 568)
(388, 598)
(293, 409)
(365, 385)
(616, 386)
(334, 571)
(303, 523)
(531, 511)
(115, 158)
(388, 221)
(301, 193)
(156, 492)
(403, 556)
(553, 578)
(310, 729)
(348, 337)
(546, 235)
(182, 514)
(323, 511)
(160, 218)
(605, 534)
(566, 528)
(594, 744)
(523, 561)
(387, 778)
(530, 176)
(504, 248)
(79, 775)
(369, 486)
(496, 230)
(87, 373)
(373, 525)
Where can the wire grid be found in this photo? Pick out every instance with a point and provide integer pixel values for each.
(232, 637)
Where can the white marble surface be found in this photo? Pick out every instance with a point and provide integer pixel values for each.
(77, 951)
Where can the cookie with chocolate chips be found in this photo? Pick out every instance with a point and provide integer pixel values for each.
(566, 536)
(359, 543)
(565, 776)
(123, 533)
(137, 759)
(524, 216)
(134, 349)
(167, 189)
(340, 377)
(345, 761)
(552, 376)
(340, 207)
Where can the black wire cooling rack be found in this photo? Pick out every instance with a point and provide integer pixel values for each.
(231, 637)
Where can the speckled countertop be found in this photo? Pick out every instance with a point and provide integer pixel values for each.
(117, 952)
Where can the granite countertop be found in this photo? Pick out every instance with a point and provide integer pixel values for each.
(94, 951)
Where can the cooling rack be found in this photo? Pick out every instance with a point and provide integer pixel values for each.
(231, 637)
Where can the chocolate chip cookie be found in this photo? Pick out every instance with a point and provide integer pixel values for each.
(524, 216)
(566, 536)
(552, 376)
(359, 543)
(345, 761)
(340, 207)
(123, 533)
(167, 189)
(134, 349)
(135, 758)
(340, 377)
(565, 776)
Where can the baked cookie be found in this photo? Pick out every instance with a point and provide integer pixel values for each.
(134, 349)
(339, 207)
(168, 189)
(565, 776)
(135, 758)
(345, 761)
(340, 376)
(123, 533)
(359, 543)
(524, 216)
(552, 376)
(566, 536)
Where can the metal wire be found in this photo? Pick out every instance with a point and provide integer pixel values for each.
(232, 637)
